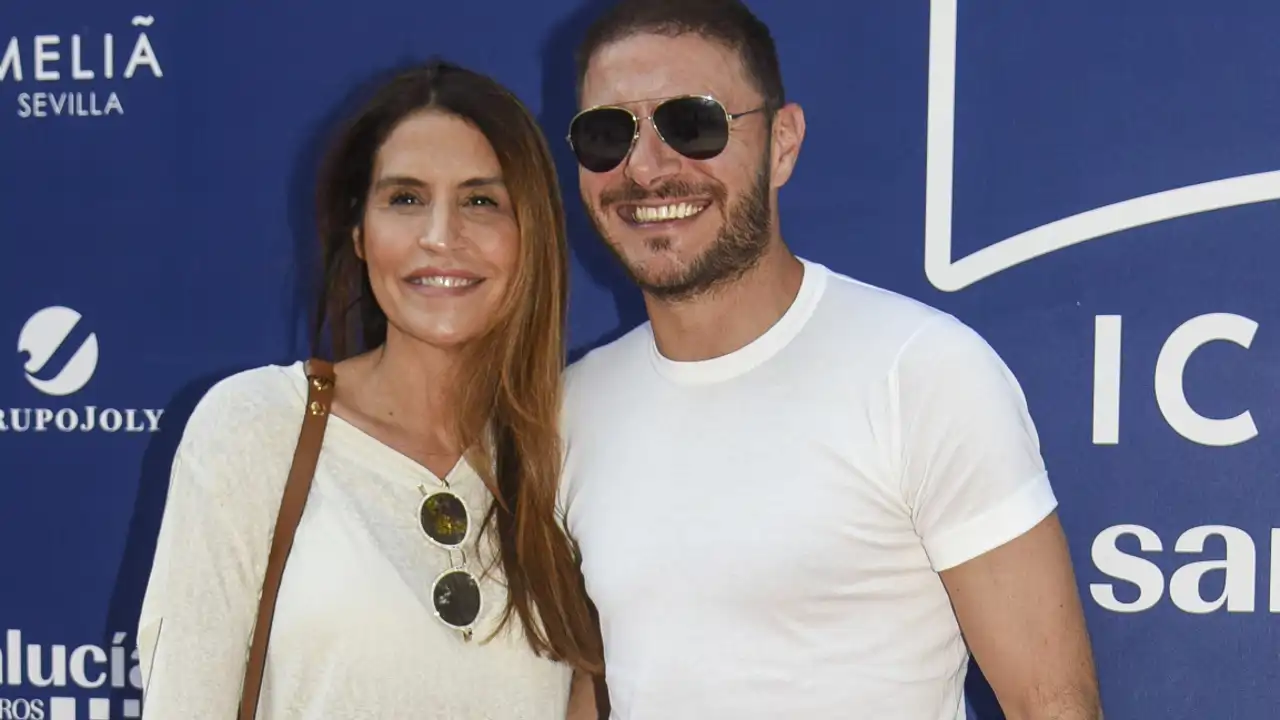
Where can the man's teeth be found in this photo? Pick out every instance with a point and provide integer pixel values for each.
(446, 281)
(666, 212)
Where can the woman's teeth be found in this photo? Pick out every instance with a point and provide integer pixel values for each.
(445, 281)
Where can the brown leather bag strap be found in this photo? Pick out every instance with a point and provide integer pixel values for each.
(320, 382)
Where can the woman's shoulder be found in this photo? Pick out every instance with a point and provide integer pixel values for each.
(265, 386)
(250, 410)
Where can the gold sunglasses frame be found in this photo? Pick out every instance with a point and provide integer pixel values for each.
(638, 120)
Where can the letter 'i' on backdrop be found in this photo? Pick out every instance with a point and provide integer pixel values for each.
(1091, 185)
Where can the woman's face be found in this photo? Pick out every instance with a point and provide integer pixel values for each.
(439, 237)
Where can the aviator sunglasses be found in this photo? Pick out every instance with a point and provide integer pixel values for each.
(696, 126)
(455, 594)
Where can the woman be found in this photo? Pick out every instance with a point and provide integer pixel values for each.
(445, 262)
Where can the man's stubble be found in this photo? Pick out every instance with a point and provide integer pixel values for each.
(738, 247)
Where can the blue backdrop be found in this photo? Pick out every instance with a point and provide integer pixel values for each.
(1092, 185)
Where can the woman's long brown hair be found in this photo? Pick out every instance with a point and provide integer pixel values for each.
(509, 390)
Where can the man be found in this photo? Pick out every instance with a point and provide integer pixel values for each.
(796, 495)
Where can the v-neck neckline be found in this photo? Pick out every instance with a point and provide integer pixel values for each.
(359, 436)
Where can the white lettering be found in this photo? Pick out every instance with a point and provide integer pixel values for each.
(108, 56)
(57, 676)
(19, 420)
(1113, 562)
(21, 709)
(47, 56)
(42, 55)
(89, 666)
(87, 419)
(135, 672)
(1170, 386)
(1275, 570)
(117, 660)
(79, 659)
(13, 652)
(143, 54)
(1106, 379)
(67, 104)
(1238, 566)
(1172, 364)
(11, 62)
(77, 71)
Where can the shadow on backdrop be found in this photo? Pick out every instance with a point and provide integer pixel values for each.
(144, 525)
(307, 267)
(559, 104)
(303, 176)
(982, 699)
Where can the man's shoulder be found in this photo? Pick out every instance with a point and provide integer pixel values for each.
(917, 339)
(873, 319)
(887, 307)
(908, 336)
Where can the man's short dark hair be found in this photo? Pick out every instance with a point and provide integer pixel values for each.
(728, 22)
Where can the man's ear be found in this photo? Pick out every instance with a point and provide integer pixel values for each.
(788, 136)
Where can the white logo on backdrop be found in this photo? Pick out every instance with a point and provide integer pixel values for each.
(42, 336)
(948, 274)
(95, 62)
(1240, 569)
(38, 680)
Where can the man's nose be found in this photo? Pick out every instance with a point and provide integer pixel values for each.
(651, 160)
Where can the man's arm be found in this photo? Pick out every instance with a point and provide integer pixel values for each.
(1020, 613)
(981, 501)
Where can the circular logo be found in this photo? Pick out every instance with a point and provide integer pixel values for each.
(42, 337)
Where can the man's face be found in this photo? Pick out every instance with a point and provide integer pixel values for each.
(680, 226)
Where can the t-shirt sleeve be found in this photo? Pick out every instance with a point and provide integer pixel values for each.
(563, 479)
(571, 415)
(201, 598)
(972, 473)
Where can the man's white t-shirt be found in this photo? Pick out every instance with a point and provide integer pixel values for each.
(762, 532)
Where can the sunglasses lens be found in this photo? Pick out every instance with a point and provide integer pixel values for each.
(444, 518)
(456, 596)
(694, 127)
(601, 138)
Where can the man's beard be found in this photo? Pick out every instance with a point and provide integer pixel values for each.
(737, 248)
